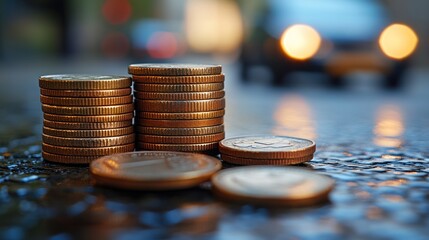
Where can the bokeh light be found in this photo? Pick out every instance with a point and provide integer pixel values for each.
(398, 41)
(115, 45)
(162, 45)
(116, 11)
(300, 41)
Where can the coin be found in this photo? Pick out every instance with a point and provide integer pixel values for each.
(86, 126)
(83, 82)
(76, 151)
(272, 185)
(179, 96)
(200, 147)
(180, 139)
(179, 79)
(267, 147)
(181, 116)
(180, 106)
(88, 133)
(180, 123)
(169, 69)
(88, 142)
(63, 101)
(253, 161)
(179, 131)
(86, 93)
(203, 87)
(154, 170)
(94, 110)
(89, 119)
(68, 159)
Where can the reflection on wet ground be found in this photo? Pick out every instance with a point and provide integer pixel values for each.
(373, 144)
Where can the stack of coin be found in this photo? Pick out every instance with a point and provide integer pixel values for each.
(266, 150)
(86, 117)
(179, 107)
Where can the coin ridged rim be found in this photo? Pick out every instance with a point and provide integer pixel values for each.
(88, 142)
(252, 161)
(224, 193)
(51, 157)
(181, 116)
(174, 69)
(202, 87)
(89, 119)
(244, 153)
(105, 101)
(180, 131)
(86, 126)
(179, 96)
(76, 151)
(198, 147)
(180, 139)
(110, 82)
(179, 79)
(180, 106)
(91, 110)
(67, 133)
(86, 93)
(179, 123)
(176, 180)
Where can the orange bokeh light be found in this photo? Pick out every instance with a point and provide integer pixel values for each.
(398, 41)
(116, 11)
(300, 41)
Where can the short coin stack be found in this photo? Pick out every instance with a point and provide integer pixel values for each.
(179, 107)
(266, 150)
(86, 117)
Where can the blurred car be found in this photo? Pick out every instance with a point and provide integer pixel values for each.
(337, 37)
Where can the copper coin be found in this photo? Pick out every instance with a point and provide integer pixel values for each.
(179, 123)
(180, 131)
(173, 69)
(180, 106)
(179, 96)
(86, 126)
(89, 119)
(181, 116)
(86, 93)
(88, 142)
(94, 110)
(88, 133)
(179, 79)
(83, 82)
(77, 151)
(180, 139)
(154, 170)
(203, 87)
(64, 101)
(272, 185)
(200, 147)
(66, 159)
(253, 161)
(267, 147)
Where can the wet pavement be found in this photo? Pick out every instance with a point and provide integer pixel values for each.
(374, 143)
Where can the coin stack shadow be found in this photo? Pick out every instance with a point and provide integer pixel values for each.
(85, 117)
(179, 107)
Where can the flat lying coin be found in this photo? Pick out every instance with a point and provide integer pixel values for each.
(86, 93)
(179, 96)
(180, 106)
(154, 170)
(200, 147)
(66, 159)
(181, 116)
(270, 185)
(89, 119)
(179, 123)
(168, 88)
(77, 151)
(252, 161)
(83, 82)
(171, 69)
(267, 147)
(170, 131)
(179, 79)
(105, 101)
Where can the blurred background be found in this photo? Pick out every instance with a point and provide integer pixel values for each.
(293, 67)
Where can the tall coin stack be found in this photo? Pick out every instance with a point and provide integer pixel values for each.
(85, 117)
(179, 107)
